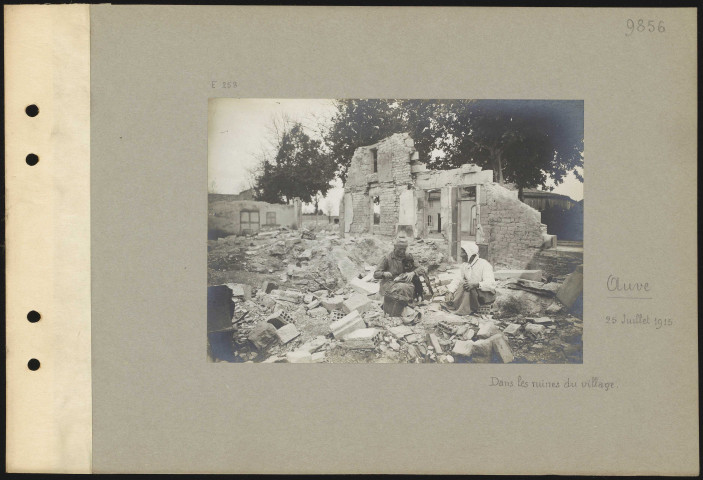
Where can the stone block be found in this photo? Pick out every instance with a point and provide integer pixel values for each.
(525, 274)
(318, 357)
(315, 344)
(487, 329)
(400, 331)
(347, 324)
(512, 329)
(305, 255)
(463, 348)
(543, 321)
(413, 338)
(299, 356)
(434, 341)
(237, 290)
(482, 351)
(317, 312)
(314, 304)
(287, 333)
(363, 287)
(288, 295)
(279, 318)
(502, 348)
(553, 308)
(364, 338)
(263, 336)
(572, 288)
(358, 302)
(470, 333)
(332, 303)
(534, 329)
(268, 302)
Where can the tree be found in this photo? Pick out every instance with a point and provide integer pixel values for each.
(524, 142)
(296, 168)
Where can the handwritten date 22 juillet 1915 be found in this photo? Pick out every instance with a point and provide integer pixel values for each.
(644, 26)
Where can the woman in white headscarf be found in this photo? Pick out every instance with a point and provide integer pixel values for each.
(475, 285)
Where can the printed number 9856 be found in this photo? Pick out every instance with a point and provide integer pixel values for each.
(639, 26)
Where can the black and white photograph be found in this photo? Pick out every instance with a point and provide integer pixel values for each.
(395, 231)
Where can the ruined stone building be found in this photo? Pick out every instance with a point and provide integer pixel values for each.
(389, 189)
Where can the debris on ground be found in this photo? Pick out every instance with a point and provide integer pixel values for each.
(286, 296)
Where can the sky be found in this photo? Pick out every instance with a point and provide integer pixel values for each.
(238, 129)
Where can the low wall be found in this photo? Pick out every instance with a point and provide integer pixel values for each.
(225, 216)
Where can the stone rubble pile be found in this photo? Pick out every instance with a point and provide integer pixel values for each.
(316, 301)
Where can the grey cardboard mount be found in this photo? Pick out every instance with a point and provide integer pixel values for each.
(158, 406)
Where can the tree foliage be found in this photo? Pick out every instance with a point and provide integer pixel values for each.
(297, 168)
(526, 142)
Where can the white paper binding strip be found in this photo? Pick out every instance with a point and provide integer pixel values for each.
(47, 64)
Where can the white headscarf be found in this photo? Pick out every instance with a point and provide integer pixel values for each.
(470, 248)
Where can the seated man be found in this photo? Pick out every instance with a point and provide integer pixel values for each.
(397, 270)
(475, 285)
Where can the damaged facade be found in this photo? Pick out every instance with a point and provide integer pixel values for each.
(228, 215)
(389, 189)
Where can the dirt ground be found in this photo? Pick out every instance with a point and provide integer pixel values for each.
(310, 269)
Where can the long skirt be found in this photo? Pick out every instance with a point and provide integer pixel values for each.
(467, 302)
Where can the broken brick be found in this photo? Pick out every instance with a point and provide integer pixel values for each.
(434, 341)
(487, 329)
(363, 338)
(413, 338)
(268, 286)
(400, 331)
(482, 351)
(512, 329)
(535, 329)
(502, 348)
(314, 345)
(287, 333)
(463, 348)
(543, 321)
(364, 287)
(524, 274)
(288, 295)
(279, 318)
(332, 303)
(347, 325)
(263, 335)
(317, 312)
(360, 303)
(299, 356)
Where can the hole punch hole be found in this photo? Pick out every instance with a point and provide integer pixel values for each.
(33, 364)
(32, 110)
(33, 316)
(32, 159)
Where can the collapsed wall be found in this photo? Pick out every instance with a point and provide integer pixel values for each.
(377, 172)
(512, 229)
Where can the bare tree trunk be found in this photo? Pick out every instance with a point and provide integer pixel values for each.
(520, 194)
(500, 169)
